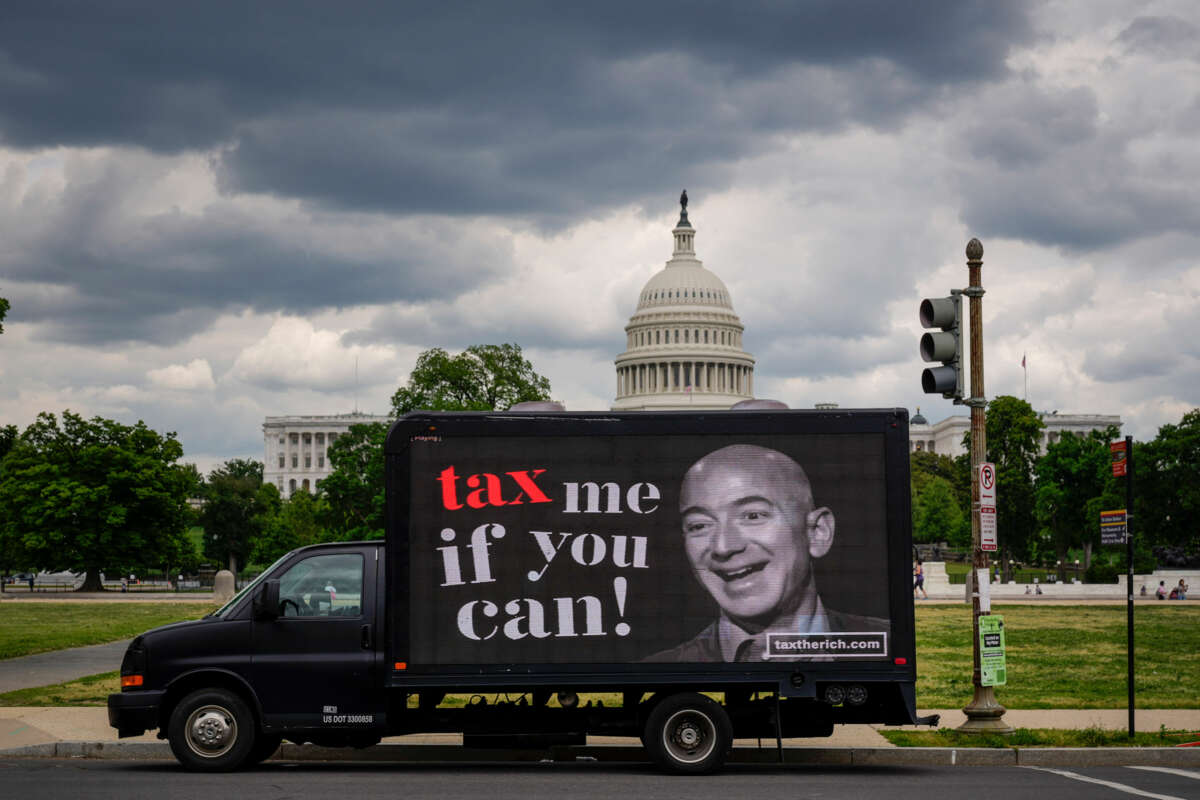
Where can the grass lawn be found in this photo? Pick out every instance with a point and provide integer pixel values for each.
(1040, 737)
(27, 628)
(90, 691)
(1064, 656)
(1058, 656)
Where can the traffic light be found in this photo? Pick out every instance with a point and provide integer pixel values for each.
(946, 346)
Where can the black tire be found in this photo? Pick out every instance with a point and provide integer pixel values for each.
(688, 734)
(211, 730)
(265, 745)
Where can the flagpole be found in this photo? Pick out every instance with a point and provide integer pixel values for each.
(1025, 370)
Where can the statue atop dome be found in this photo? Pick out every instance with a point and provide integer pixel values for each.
(683, 220)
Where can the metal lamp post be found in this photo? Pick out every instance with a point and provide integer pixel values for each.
(984, 713)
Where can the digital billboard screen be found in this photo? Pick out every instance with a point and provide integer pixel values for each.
(578, 549)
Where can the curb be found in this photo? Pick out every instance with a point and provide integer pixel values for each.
(842, 756)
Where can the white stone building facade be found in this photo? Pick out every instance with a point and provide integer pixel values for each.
(946, 437)
(683, 344)
(296, 448)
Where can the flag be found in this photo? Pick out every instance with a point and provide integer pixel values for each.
(1022, 361)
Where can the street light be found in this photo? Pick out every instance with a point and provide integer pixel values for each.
(984, 713)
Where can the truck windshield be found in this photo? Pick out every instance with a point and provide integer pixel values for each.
(249, 587)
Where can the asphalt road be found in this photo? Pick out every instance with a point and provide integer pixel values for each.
(85, 779)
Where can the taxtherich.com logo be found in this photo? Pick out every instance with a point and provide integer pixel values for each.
(826, 645)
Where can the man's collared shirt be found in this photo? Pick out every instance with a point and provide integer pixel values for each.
(735, 641)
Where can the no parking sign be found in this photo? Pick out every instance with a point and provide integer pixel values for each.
(987, 506)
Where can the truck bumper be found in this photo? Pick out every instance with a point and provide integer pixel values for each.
(134, 713)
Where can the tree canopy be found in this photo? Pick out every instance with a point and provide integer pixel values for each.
(941, 499)
(4, 306)
(93, 495)
(1167, 484)
(295, 525)
(237, 505)
(1075, 483)
(484, 377)
(353, 492)
(1013, 435)
(8, 437)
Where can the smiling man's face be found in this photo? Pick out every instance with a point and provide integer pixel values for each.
(746, 515)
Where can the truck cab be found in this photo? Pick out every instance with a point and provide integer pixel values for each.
(296, 652)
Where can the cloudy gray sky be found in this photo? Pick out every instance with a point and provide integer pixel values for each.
(210, 212)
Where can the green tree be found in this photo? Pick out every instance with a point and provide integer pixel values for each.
(938, 517)
(1167, 485)
(353, 491)
(484, 377)
(1013, 432)
(4, 306)
(236, 506)
(925, 466)
(1074, 483)
(8, 437)
(296, 525)
(941, 516)
(91, 495)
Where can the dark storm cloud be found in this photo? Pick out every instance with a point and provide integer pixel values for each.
(1026, 125)
(818, 357)
(1129, 363)
(163, 276)
(1162, 36)
(500, 107)
(455, 328)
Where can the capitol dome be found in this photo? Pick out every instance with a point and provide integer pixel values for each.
(684, 341)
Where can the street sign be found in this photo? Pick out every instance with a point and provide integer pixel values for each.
(1113, 527)
(1118, 458)
(992, 669)
(987, 507)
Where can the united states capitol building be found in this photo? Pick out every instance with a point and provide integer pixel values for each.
(683, 351)
(683, 344)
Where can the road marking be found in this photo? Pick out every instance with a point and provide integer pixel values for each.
(1187, 773)
(1120, 787)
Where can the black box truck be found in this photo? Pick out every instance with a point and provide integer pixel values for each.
(701, 576)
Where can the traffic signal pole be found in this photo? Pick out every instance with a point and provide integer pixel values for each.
(1129, 575)
(984, 713)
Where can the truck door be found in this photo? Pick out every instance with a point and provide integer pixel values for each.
(314, 666)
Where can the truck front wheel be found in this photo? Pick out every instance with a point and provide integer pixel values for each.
(211, 730)
(688, 734)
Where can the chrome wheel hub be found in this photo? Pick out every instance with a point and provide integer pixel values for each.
(211, 731)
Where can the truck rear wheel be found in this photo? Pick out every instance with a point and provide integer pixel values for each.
(211, 730)
(688, 734)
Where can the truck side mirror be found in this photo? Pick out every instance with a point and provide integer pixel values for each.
(266, 602)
